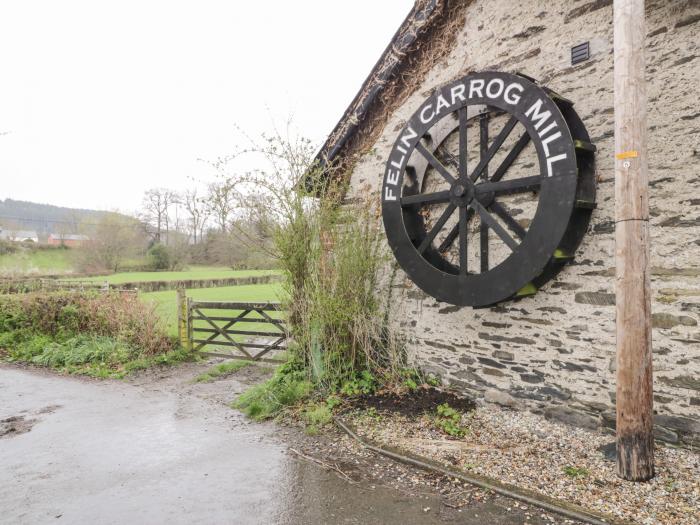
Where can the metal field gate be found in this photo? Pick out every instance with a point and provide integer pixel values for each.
(235, 330)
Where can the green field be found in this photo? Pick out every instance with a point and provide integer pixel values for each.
(167, 301)
(39, 262)
(194, 272)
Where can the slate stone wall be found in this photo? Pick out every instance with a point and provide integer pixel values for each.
(554, 353)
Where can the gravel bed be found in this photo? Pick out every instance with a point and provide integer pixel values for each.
(353, 462)
(526, 450)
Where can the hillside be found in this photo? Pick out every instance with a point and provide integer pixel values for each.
(44, 218)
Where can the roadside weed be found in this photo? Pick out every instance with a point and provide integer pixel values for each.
(333, 401)
(432, 380)
(287, 387)
(317, 416)
(362, 383)
(449, 421)
(576, 472)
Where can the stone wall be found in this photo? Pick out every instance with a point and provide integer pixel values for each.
(555, 352)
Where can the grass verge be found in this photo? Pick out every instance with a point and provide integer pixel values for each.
(287, 387)
(94, 356)
(221, 370)
(316, 416)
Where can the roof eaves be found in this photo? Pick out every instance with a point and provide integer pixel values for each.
(423, 13)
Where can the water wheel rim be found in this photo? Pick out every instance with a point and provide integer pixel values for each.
(556, 196)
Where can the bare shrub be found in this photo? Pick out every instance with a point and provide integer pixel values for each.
(114, 239)
(330, 253)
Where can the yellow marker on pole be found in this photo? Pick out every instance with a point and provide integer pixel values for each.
(633, 154)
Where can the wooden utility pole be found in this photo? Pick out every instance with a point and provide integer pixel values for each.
(635, 438)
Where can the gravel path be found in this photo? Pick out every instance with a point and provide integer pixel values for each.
(527, 451)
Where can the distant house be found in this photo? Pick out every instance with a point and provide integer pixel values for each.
(19, 236)
(66, 239)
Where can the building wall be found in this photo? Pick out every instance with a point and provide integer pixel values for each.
(555, 352)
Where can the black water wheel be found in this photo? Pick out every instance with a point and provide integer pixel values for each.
(488, 192)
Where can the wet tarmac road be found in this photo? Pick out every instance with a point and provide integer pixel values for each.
(79, 451)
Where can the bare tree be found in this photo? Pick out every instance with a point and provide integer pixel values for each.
(114, 239)
(176, 221)
(222, 201)
(198, 212)
(156, 208)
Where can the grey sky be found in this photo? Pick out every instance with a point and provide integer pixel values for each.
(103, 100)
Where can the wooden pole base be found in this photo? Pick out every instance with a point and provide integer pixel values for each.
(635, 456)
(635, 396)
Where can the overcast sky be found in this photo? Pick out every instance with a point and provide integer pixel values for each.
(100, 101)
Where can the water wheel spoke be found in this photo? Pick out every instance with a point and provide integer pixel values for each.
(435, 163)
(483, 228)
(510, 187)
(484, 143)
(523, 141)
(449, 239)
(497, 143)
(494, 225)
(434, 231)
(499, 210)
(446, 158)
(463, 240)
(425, 198)
(462, 116)
(453, 234)
(484, 247)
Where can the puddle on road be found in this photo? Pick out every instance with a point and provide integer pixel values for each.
(21, 424)
(15, 425)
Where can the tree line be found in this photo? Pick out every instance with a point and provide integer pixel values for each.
(213, 225)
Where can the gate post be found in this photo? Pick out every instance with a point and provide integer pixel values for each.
(182, 318)
(188, 323)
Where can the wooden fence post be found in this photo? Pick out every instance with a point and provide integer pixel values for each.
(182, 317)
(188, 324)
(634, 399)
